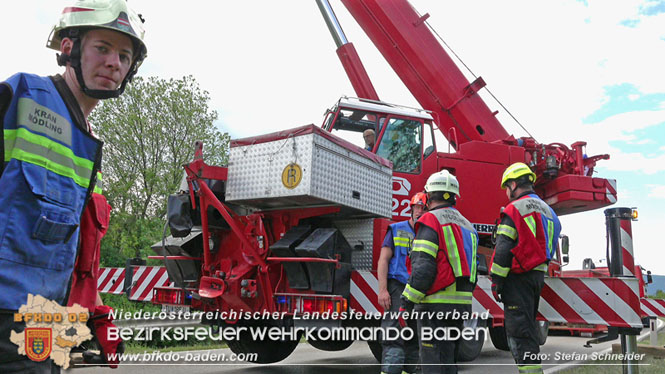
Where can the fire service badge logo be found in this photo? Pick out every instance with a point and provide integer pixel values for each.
(38, 343)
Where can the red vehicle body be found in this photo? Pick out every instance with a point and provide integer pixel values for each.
(250, 253)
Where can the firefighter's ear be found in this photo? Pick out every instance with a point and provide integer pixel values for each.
(66, 45)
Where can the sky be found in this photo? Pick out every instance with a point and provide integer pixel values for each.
(568, 70)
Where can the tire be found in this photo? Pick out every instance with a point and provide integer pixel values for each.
(469, 350)
(543, 330)
(267, 351)
(331, 345)
(376, 348)
(499, 338)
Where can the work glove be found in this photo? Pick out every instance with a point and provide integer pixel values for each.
(497, 288)
(405, 307)
(101, 321)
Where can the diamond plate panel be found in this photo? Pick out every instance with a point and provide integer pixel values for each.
(359, 231)
(330, 174)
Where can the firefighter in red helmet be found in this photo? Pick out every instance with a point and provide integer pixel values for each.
(398, 356)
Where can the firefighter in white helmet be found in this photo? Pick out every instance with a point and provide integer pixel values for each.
(443, 273)
(52, 164)
(526, 240)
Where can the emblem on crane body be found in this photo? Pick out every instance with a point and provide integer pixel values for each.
(291, 176)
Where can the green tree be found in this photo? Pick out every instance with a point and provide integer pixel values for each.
(149, 133)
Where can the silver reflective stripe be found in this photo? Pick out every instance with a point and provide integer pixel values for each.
(52, 156)
(446, 216)
(531, 204)
(541, 267)
(43, 120)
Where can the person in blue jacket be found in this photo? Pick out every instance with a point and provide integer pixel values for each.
(393, 272)
(52, 160)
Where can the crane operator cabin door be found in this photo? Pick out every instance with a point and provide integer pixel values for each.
(409, 144)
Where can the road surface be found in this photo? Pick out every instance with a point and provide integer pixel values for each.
(358, 359)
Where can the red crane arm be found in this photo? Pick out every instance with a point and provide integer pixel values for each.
(420, 61)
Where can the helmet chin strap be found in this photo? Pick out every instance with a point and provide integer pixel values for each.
(512, 192)
(74, 60)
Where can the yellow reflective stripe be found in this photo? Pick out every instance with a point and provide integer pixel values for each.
(39, 150)
(550, 237)
(499, 270)
(397, 239)
(541, 267)
(451, 246)
(449, 297)
(50, 144)
(531, 222)
(402, 242)
(98, 185)
(530, 369)
(426, 246)
(507, 231)
(473, 259)
(412, 294)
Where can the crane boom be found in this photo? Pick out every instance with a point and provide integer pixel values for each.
(403, 38)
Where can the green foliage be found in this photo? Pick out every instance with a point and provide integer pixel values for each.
(659, 295)
(149, 133)
(120, 303)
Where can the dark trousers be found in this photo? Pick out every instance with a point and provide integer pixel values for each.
(438, 355)
(10, 361)
(398, 355)
(521, 294)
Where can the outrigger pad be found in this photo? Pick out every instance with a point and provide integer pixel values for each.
(182, 272)
(285, 247)
(325, 243)
(179, 212)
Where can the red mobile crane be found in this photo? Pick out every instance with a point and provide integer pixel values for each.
(295, 222)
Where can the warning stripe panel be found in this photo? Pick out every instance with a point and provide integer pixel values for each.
(364, 288)
(483, 299)
(145, 279)
(596, 303)
(562, 308)
(653, 307)
(603, 301)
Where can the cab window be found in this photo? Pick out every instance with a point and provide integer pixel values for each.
(350, 125)
(401, 143)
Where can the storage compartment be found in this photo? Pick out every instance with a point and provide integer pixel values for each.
(307, 166)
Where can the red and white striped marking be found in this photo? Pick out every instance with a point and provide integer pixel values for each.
(611, 191)
(112, 280)
(653, 307)
(364, 292)
(627, 247)
(483, 300)
(601, 301)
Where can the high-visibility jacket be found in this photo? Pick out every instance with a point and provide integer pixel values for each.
(403, 235)
(51, 167)
(536, 231)
(94, 224)
(455, 256)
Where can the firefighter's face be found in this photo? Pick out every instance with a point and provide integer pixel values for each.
(106, 57)
(417, 211)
